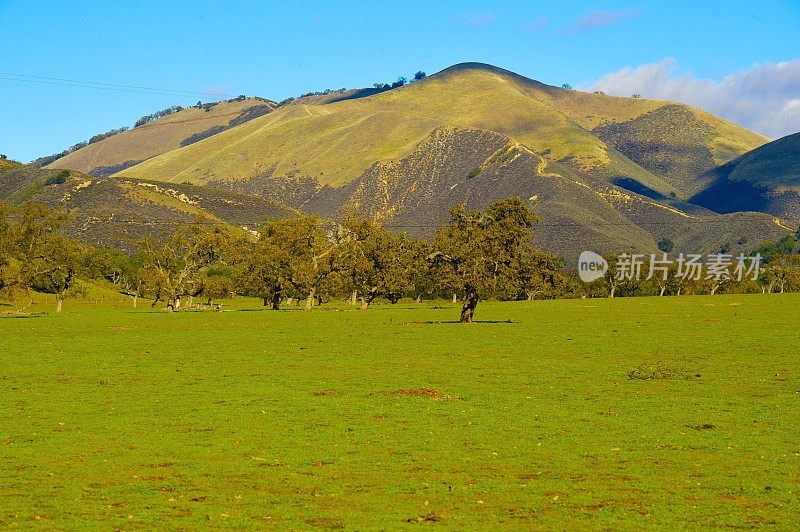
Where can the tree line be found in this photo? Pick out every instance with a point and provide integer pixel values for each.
(476, 254)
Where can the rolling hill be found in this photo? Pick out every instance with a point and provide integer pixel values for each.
(335, 142)
(118, 212)
(766, 179)
(607, 173)
(159, 136)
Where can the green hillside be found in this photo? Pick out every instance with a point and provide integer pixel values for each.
(334, 143)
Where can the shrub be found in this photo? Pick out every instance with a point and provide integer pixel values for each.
(164, 112)
(58, 179)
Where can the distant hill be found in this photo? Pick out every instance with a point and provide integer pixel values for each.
(335, 141)
(117, 212)
(766, 179)
(164, 134)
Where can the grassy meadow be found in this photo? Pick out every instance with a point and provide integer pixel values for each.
(114, 417)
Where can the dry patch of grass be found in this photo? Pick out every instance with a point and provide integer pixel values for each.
(416, 392)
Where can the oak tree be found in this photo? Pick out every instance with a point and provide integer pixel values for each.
(484, 251)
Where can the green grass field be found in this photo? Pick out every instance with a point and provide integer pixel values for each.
(112, 417)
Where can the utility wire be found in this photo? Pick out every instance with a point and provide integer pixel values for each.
(102, 86)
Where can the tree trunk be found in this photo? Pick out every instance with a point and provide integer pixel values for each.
(455, 299)
(310, 300)
(468, 310)
(59, 303)
(419, 299)
(191, 301)
(354, 298)
(177, 303)
(276, 301)
(367, 300)
(135, 301)
(613, 291)
(663, 289)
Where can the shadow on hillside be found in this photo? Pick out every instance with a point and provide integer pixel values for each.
(361, 93)
(636, 187)
(727, 196)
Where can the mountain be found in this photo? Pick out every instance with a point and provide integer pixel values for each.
(606, 173)
(118, 212)
(336, 142)
(766, 179)
(161, 135)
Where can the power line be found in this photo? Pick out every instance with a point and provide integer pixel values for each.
(82, 84)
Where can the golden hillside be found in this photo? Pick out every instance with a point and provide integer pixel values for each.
(334, 143)
(162, 135)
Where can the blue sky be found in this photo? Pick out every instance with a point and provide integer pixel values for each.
(277, 50)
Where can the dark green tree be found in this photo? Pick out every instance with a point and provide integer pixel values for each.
(482, 252)
(666, 245)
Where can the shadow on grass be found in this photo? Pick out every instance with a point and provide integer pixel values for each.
(485, 322)
(9, 315)
(270, 309)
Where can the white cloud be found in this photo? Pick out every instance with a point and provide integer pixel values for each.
(764, 97)
(792, 105)
(598, 19)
